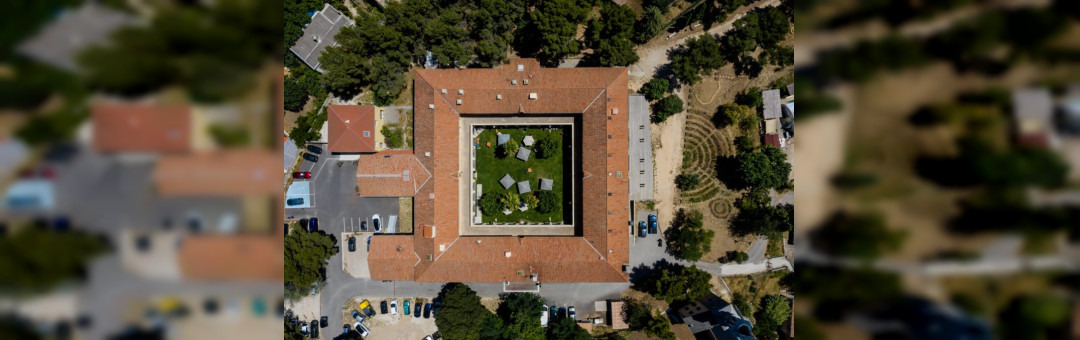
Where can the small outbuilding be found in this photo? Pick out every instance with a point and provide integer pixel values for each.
(546, 184)
(506, 181)
(523, 154)
(528, 141)
(523, 187)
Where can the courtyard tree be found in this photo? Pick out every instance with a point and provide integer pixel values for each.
(489, 204)
(650, 23)
(548, 147)
(530, 201)
(666, 107)
(549, 201)
(520, 313)
(567, 329)
(655, 89)
(461, 315)
(305, 260)
(687, 238)
(687, 181)
(775, 309)
(509, 149)
(509, 201)
(767, 168)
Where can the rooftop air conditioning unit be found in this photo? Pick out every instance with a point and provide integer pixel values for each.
(525, 81)
(532, 95)
(431, 106)
(498, 97)
(461, 92)
(443, 91)
(513, 82)
(459, 101)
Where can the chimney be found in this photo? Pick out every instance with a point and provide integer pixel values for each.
(507, 254)
(532, 96)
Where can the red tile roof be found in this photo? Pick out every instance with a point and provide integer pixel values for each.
(351, 128)
(232, 257)
(772, 139)
(390, 174)
(392, 256)
(141, 128)
(227, 172)
(594, 94)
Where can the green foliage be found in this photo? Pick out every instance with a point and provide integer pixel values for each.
(666, 107)
(553, 25)
(509, 149)
(981, 164)
(548, 147)
(868, 57)
(530, 200)
(744, 144)
(677, 283)
(461, 315)
(520, 313)
(509, 201)
(650, 24)
(742, 303)
(609, 36)
(660, 5)
(307, 126)
(32, 83)
(781, 56)
(845, 287)
(33, 259)
(857, 235)
(549, 201)
(392, 137)
(700, 55)
(567, 329)
(295, 95)
(750, 97)
(296, 17)
(758, 217)
(765, 169)
(230, 136)
(16, 328)
(734, 114)
(655, 89)
(735, 256)
(305, 259)
(687, 238)
(775, 309)
(687, 181)
(58, 125)
(640, 317)
(1037, 316)
(492, 24)
(489, 204)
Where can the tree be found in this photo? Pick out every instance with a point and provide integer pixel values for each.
(461, 315)
(609, 36)
(699, 55)
(509, 149)
(750, 97)
(735, 256)
(548, 147)
(767, 168)
(775, 309)
(489, 204)
(687, 239)
(781, 56)
(650, 23)
(744, 144)
(615, 52)
(509, 201)
(655, 89)
(567, 329)
(666, 107)
(520, 313)
(677, 283)
(305, 260)
(555, 26)
(393, 137)
(758, 217)
(687, 181)
(731, 114)
(549, 202)
(640, 316)
(35, 259)
(530, 200)
(857, 235)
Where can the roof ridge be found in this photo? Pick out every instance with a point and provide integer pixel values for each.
(417, 189)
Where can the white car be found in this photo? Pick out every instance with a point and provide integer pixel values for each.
(570, 311)
(359, 327)
(393, 307)
(544, 317)
(376, 222)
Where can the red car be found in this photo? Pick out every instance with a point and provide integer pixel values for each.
(301, 175)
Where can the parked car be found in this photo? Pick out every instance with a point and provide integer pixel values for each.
(571, 313)
(363, 225)
(301, 175)
(419, 308)
(427, 337)
(382, 307)
(359, 327)
(375, 223)
(314, 149)
(311, 158)
(562, 312)
(641, 229)
(544, 317)
(294, 201)
(357, 316)
(554, 312)
(313, 224)
(435, 308)
(314, 328)
(427, 310)
(352, 243)
(393, 307)
(366, 307)
(304, 329)
(406, 307)
(652, 224)
(345, 329)
(324, 321)
(436, 335)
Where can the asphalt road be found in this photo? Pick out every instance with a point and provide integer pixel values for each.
(337, 206)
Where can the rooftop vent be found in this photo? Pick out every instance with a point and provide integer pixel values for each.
(431, 196)
(532, 95)
(615, 111)
(513, 82)
(459, 101)
(498, 97)
(461, 92)
(525, 81)
(521, 67)
(431, 106)
(347, 121)
(443, 91)
(427, 154)
(478, 241)
(507, 254)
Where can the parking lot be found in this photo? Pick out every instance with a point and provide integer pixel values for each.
(355, 262)
(333, 190)
(393, 327)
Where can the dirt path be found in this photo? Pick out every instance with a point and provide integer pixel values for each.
(654, 53)
(818, 161)
(667, 158)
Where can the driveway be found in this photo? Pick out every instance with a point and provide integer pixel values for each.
(333, 189)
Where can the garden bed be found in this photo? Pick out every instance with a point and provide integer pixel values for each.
(490, 166)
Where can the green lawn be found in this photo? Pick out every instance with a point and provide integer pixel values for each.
(490, 168)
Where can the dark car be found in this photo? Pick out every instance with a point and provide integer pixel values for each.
(352, 243)
(427, 310)
(554, 311)
(301, 175)
(345, 329)
(311, 158)
(382, 308)
(294, 201)
(314, 149)
(419, 308)
(369, 243)
(314, 329)
(562, 312)
(652, 224)
(435, 308)
(324, 321)
(641, 229)
(313, 224)
(363, 225)
(436, 335)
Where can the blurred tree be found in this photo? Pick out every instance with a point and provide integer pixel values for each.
(567, 329)
(775, 309)
(687, 238)
(461, 315)
(305, 260)
(700, 55)
(687, 181)
(520, 313)
(666, 107)
(655, 89)
(857, 235)
(34, 259)
(648, 26)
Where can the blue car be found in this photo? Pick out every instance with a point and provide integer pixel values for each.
(652, 224)
(313, 224)
(641, 229)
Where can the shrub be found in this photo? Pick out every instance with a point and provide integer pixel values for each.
(666, 107)
(750, 97)
(655, 88)
(295, 95)
(744, 144)
(547, 147)
(508, 149)
(549, 202)
(531, 201)
(393, 137)
(509, 201)
(735, 256)
(489, 204)
(687, 181)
